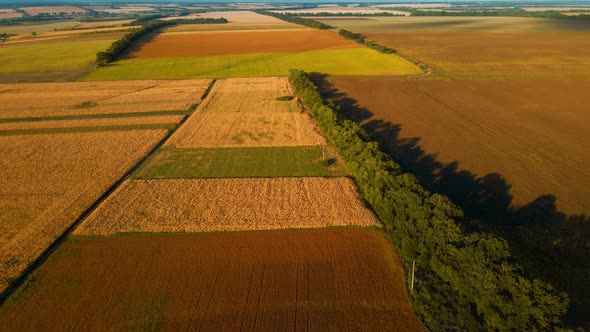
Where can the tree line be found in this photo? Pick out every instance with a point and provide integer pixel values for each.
(349, 14)
(465, 280)
(295, 19)
(361, 39)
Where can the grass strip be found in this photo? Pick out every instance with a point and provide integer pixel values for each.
(232, 162)
(92, 116)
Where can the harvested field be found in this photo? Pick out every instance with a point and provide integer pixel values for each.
(354, 61)
(140, 120)
(535, 139)
(335, 279)
(187, 28)
(489, 46)
(98, 111)
(242, 42)
(86, 95)
(205, 205)
(9, 13)
(47, 181)
(243, 162)
(251, 95)
(226, 129)
(53, 10)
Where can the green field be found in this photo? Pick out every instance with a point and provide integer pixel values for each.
(357, 61)
(242, 162)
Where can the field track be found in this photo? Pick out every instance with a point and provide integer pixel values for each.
(343, 279)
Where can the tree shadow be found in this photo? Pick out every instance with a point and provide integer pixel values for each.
(547, 243)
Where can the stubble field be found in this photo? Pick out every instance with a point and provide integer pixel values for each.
(205, 205)
(279, 280)
(47, 181)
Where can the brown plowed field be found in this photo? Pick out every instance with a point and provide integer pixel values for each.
(197, 205)
(225, 129)
(47, 181)
(532, 132)
(243, 42)
(317, 280)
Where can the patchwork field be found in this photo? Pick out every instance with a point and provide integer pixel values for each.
(52, 10)
(535, 139)
(47, 181)
(172, 45)
(9, 13)
(56, 167)
(244, 162)
(199, 205)
(489, 46)
(279, 280)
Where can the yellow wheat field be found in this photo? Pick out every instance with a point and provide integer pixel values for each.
(81, 94)
(47, 181)
(250, 95)
(224, 129)
(140, 120)
(97, 109)
(197, 205)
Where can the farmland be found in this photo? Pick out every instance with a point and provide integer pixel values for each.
(52, 10)
(355, 61)
(172, 45)
(55, 167)
(319, 279)
(244, 162)
(228, 205)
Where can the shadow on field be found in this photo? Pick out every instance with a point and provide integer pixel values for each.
(549, 244)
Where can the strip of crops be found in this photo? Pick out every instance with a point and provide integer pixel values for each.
(464, 280)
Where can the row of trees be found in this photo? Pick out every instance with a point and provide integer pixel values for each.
(295, 19)
(119, 46)
(465, 280)
(361, 39)
(350, 14)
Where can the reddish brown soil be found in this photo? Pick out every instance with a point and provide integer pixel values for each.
(331, 279)
(224, 43)
(514, 137)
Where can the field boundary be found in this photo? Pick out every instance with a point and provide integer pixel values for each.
(93, 116)
(44, 256)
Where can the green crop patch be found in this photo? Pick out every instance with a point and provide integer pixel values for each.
(357, 61)
(243, 162)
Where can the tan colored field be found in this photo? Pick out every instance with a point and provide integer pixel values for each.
(47, 181)
(53, 95)
(532, 132)
(165, 119)
(317, 280)
(100, 24)
(250, 95)
(96, 110)
(173, 45)
(9, 13)
(53, 10)
(205, 205)
(228, 129)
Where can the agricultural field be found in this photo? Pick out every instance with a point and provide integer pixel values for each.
(354, 61)
(273, 161)
(55, 167)
(47, 181)
(172, 45)
(484, 46)
(199, 205)
(9, 13)
(535, 140)
(52, 10)
(52, 60)
(341, 10)
(274, 280)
